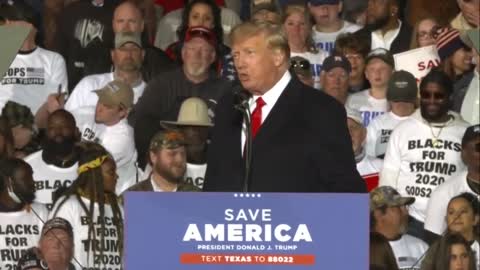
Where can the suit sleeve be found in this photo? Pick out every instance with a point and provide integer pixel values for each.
(336, 165)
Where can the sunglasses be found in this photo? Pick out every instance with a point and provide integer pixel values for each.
(427, 95)
(301, 64)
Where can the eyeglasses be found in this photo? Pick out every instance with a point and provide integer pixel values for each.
(425, 35)
(301, 64)
(427, 95)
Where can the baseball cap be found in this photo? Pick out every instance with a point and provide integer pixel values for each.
(169, 139)
(355, 115)
(381, 54)
(334, 61)
(265, 5)
(19, 11)
(58, 223)
(471, 38)
(323, 2)
(116, 93)
(301, 66)
(124, 38)
(201, 32)
(193, 112)
(389, 197)
(402, 87)
(471, 133)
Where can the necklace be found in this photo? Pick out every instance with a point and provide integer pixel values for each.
(435, 137)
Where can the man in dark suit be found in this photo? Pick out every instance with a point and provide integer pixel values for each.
(302, 144)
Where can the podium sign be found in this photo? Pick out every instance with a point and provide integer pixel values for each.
(218, 231)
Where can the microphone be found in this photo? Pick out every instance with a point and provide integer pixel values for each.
(240, 98)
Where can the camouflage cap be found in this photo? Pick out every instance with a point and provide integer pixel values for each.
(116, 93)
(387, 196)
(169, 139)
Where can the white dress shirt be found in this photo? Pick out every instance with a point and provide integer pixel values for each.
(270, 97)
(385, 41)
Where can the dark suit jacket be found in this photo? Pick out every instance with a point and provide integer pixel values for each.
(302, 146)
(401, 42)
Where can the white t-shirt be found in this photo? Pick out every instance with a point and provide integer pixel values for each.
(437, 205)
(378, 133)
(316, 62)
(195, 174)
(408, 251)
(117, 139)
(379, 40)
(49, 178)
(368, 106)
(18, 232)
(32, 77)
(369, 168)
(72, 211)
(83, 94)
(326, 41)
(415, 167)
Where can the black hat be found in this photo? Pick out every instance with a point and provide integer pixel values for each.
(402, 87)
(18, 11)
(58, 223)
(381, 54)
(471, 133)
(334, 61)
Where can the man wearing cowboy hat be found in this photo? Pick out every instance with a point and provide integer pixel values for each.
(193, 122)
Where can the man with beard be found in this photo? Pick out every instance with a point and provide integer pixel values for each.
(55, 167)
(424, 151)
(165, 94)
(389, 217)
(127, 58)
(168, 159)
(20, 218)
(384, 29)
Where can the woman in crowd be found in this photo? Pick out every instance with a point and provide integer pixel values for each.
(93, 210)
(455, 57)
(423, 33)
(463, 217)
(451, 252)
(381, 253)
(296, 23)
(204, 13)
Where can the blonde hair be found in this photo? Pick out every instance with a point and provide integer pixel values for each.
(292, 9)
(414, 40)
(273, 33)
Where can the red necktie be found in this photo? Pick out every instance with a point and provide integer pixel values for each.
(257, 116)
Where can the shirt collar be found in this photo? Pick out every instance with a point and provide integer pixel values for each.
(271, 96)
(156, 188)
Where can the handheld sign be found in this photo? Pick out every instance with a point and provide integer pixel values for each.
(219, 231)
(14, 35)
(418, 61)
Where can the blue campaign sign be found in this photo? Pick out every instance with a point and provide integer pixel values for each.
(219, 231)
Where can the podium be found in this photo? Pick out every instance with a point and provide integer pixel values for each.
(220, 231)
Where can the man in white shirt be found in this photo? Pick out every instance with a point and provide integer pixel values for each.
(127, 58)
(328, 24)
(424, 150)
(35, 73)
(368, 167)
(389, 217)
(167, 156)
(402, 94)
(20, 218)
(384, 28)
(107, 125)
(194, 123)
(467, 181)
(373, 102)
(55, 167)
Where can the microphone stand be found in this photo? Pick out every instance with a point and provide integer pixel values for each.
(244, 108)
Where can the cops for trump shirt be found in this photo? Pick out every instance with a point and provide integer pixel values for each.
(88, 251)
(420, 157)
(378, 133)
(408, 251)
(32, 77)
(49, 178)
(19, 231)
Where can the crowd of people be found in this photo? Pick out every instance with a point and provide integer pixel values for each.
(106, 97)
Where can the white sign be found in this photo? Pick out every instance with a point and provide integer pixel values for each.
(418, 61)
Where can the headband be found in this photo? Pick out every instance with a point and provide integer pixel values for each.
(91, 164)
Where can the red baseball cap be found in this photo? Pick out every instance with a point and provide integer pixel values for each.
(201, 32)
